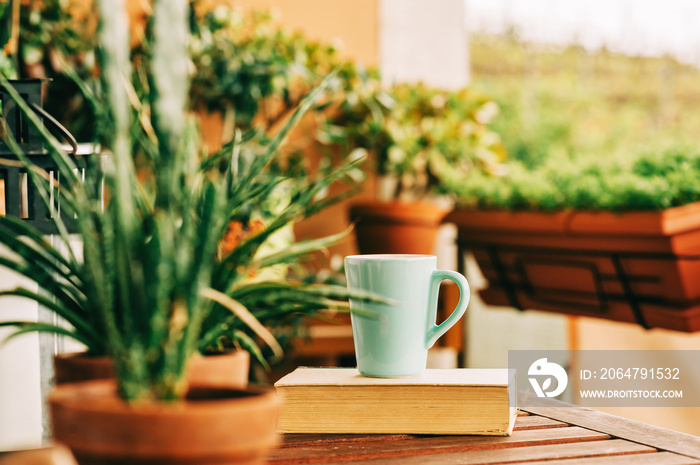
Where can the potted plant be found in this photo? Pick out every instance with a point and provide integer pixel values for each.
(612, 238)
(416, 135)
(218, 36)
(150, 270)
(269, 286)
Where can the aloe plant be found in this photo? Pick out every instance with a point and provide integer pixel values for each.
(152, 286)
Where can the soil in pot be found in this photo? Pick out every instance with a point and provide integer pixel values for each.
(79, 366)
(211, 426)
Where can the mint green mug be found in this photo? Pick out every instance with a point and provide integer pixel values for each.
(392, 338)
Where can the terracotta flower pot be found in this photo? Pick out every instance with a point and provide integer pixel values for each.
(640, 267)
(396, 227)
(227, 369)
(211, 426)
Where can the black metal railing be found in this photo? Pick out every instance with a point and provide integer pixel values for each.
(18, 194)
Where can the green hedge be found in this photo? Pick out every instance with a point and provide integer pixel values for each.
(651, 180)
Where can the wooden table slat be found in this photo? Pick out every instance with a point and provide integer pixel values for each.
(330, 451)
(537, 422)
(664, 439)
(524, 422)
(659, 458)
(549, 453)
(305, 439)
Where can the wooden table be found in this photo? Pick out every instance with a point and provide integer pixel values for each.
(555, 435)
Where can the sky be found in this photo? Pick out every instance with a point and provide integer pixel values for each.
(637, 27)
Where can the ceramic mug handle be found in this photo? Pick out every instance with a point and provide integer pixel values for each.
(436, 331)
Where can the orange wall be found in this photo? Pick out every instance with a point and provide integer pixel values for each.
(353, 23)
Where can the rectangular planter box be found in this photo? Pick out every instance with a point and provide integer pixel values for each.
(641, 267)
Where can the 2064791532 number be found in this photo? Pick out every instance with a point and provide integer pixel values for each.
(640, 373)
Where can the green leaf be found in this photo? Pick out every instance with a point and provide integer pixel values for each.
(244, 315)
(89, 335)
(249, 344)
(300, 249)
(36, 248)
(67, 294)
(26, 327)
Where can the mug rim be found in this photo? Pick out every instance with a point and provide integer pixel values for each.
(390, 256)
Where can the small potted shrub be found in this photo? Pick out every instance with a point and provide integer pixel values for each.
(416, 135)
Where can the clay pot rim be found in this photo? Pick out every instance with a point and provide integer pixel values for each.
(666, 222)
(85, 355)
(418, 212)
(392, 256)
(101, 396)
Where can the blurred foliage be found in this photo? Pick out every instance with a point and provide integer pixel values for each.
(255, 73)
(586, 130)
(246, 64)
(553, 111)
(8, 54)
(418, 135)
(650, 180)
(241, 63)
(52, 40)
(436, 132)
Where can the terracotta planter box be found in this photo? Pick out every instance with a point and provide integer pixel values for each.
(641, 267)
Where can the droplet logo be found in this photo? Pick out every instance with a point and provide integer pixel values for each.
(542, 369)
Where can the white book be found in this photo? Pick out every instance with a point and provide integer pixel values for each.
(438, 401)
